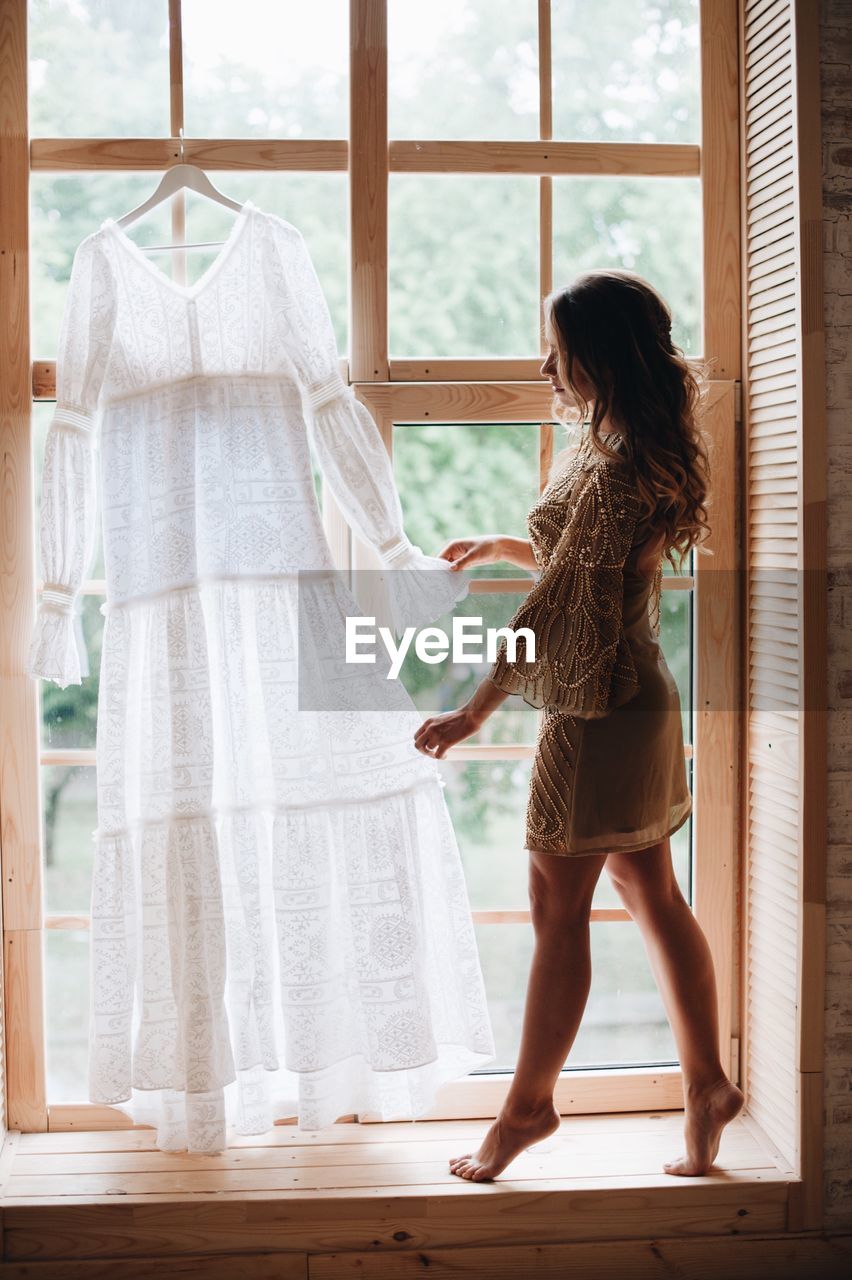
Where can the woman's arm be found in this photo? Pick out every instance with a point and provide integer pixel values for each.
(438, 733)
(519, 551)
(464, 553)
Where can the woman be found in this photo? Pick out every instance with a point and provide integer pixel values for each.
(609, 782)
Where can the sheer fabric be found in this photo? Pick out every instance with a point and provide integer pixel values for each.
(280, 923)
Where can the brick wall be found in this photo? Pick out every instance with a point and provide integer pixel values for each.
(836, 91)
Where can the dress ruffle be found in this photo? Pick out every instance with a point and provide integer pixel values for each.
(310, 962)
(422, 589)
(57, 648)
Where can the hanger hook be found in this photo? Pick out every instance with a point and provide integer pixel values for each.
(180, 135)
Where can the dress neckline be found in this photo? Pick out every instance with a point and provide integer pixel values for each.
(184, 290)
(609, 438)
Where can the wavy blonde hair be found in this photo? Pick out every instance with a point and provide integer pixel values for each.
(618, 328)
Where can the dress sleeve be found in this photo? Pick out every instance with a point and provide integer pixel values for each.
(349, 447)
(67, 519)
(583, 664)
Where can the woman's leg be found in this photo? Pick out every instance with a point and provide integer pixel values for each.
(561, 890)
(683, 967)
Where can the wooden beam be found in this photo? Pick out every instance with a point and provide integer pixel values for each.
(44, 378)
(618, 159)
(463, 401)
(545, 70)
(447, 369)
(20, 819)
(175, 66)
(518, 915)
(720, 187)
(598, 915)
(23, 980)
(719, 1257)
(716, 719)
(178, 202)
(578, 1092)
(745, 1203)
(545, 186)
(466, 369)
(97, 155)
(458, 401)
(368, 190)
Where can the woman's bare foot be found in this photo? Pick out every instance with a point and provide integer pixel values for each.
(509, 1135)
(707, 1113)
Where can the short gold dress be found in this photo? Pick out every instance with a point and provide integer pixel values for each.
(609, 773)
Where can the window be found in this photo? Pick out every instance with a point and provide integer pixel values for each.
(519, 147)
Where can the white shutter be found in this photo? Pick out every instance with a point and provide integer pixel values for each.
(784, 557)
(771, 395)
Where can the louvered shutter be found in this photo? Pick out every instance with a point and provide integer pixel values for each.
(773, 559)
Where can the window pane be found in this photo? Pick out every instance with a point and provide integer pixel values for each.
(447, 476)
(464, 275)
(624, 1022)
(442, 686)
(99, 70)
(487, 803)
(66, 209)
(63, 211)
(277, 71)
(469, 71)
(69, 819)
(467, 479)
(626, 70)
(66, 990)
(648, 225)
(676, 609)
(69, 716)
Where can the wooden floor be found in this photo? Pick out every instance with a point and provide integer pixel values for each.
(368, 1199)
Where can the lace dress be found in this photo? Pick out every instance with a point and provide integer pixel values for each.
(279, 920)
(609, 773)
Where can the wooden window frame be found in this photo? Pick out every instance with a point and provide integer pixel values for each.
(396, 391)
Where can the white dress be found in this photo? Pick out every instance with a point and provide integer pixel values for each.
(279, 919)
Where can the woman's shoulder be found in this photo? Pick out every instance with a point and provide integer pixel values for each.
(611, 460)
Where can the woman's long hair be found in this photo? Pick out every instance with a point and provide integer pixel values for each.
(618, 328)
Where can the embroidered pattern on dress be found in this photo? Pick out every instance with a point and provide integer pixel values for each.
(581, 531)
(278, 902)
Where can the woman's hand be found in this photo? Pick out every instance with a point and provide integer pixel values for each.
(438, 733)
(464, 553)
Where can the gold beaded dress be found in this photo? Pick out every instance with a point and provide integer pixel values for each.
(609, 773)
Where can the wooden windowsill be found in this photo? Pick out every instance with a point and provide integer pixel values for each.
(374, 1189)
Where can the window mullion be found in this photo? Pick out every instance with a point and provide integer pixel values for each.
(368, 190)
(176, 117)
